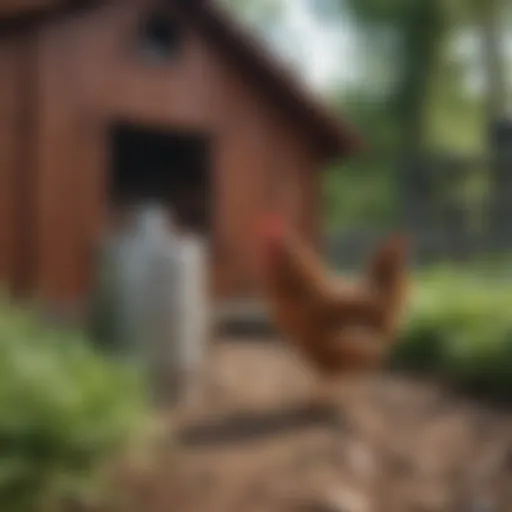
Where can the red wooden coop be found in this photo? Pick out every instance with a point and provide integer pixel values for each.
(103, 100)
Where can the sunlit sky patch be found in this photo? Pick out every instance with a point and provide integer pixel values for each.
(325, 53)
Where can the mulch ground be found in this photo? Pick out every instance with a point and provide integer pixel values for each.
(395, 445)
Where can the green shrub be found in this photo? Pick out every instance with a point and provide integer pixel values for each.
(65, 410)
(460, 327)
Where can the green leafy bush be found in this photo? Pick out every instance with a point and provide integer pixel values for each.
(460, 328)
(65, 410)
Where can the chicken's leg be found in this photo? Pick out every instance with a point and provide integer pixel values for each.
(325, 404)
(322, 394)
(322, 402)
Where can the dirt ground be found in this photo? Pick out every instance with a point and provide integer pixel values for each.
(395, 444)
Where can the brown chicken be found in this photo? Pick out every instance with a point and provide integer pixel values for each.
(341, 328)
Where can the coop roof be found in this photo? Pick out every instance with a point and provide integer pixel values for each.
(331, 133)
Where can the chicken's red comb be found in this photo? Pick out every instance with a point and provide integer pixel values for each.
(270, 225)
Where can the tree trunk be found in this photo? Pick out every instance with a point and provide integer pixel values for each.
(489, 14)
(420, 46)
(493, 59)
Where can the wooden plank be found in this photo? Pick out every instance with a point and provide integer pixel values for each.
(15, 8)
(9, 115)
(58, 187)
(17, 95)
(26, 181)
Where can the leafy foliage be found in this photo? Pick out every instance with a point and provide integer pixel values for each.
(64, 411)
(460, 328)
(359, 194)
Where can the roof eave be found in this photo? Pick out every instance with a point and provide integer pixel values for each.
(334, 137)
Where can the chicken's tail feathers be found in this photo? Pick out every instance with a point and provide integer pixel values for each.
(387, 272)
(389, 260)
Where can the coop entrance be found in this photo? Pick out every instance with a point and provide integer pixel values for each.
(169, 166)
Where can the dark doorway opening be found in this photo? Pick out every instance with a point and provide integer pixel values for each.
(169, 166)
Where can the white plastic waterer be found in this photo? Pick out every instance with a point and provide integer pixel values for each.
(161, 303)
(193, 326)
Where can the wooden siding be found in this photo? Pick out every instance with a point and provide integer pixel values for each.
(9, 142)
(17, 87)
(12, 8)
(89, 75)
